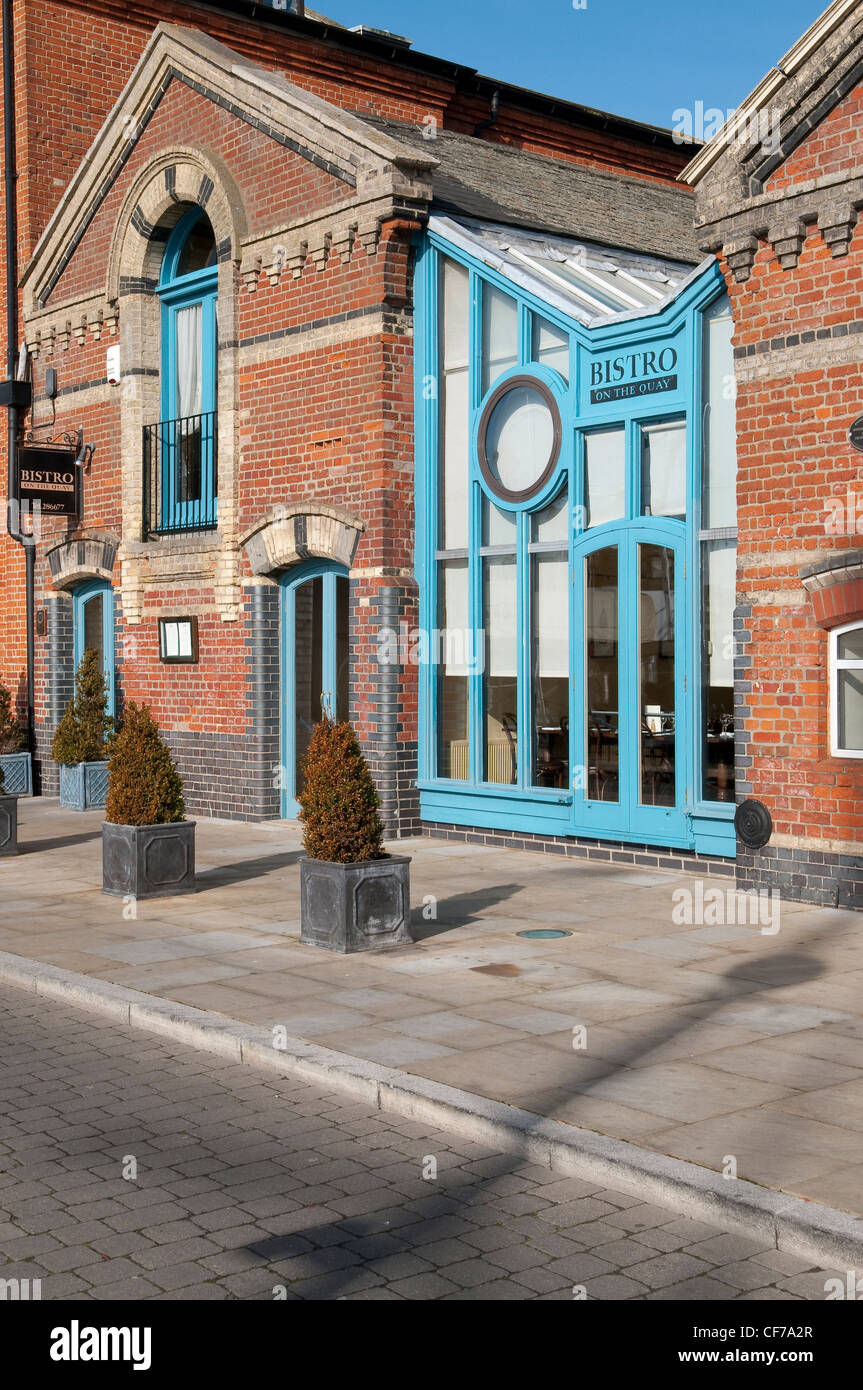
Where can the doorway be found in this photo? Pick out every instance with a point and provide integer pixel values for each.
(314, 664)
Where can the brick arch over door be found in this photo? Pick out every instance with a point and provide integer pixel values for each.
(84, 557)
(300, 531)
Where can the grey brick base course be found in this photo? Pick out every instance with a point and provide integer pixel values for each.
(571, 847)
(803, 875)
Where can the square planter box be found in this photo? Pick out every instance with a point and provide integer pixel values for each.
(8, 825)
(355, 907)
(18, 774)
(148, 861)
(84, 786)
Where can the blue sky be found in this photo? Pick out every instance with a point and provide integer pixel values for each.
(639, 58)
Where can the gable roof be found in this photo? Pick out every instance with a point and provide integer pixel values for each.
(498, 183)
(591, 283)
(788, 92)
(346, 147)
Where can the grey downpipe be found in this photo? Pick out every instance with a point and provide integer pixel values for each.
(13, 516)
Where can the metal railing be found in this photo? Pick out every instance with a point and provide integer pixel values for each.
(180, 475)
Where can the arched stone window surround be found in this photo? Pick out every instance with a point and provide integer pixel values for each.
(299, 531)
(172, 182)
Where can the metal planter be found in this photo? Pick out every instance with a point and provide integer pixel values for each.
(8, 825)
(17, 774)
(84, 786)
(148, 861)
(355, 907)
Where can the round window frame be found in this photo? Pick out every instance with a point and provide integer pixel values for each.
(492, 482)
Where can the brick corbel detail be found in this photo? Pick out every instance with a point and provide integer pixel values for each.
(787, 240)
(836, 224)
(740, 252)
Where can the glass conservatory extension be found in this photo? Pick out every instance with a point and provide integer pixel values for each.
(576, 539)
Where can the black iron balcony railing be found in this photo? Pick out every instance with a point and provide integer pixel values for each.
(180, 475)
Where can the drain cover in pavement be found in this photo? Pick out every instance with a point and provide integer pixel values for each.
(543, 934)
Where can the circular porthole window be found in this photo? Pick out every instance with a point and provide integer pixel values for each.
(519, 438)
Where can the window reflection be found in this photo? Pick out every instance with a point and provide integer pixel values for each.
(718, 561)
(549, 560)
(453, 669)
(499, 334)
(308, 669)
(605, 476)
(94, 632)
(656, 675)
(602, 654)
(663, 470)
(551, 346)
(500, 621)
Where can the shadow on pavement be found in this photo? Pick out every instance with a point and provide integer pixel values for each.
(460, 909)
(245, 871)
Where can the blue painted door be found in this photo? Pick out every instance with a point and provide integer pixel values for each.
(93, 627)
(630, 693)
(314, 664)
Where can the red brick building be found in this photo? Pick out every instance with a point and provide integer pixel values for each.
(403, 389)
(314, 156)
(783, 216)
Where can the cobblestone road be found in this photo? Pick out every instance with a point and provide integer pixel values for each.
(250, 1188)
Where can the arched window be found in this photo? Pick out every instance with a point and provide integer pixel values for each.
(181, 454)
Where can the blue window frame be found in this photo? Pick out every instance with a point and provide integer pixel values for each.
(187, 482)
(573, 705)
(314, 663)
(93, 626)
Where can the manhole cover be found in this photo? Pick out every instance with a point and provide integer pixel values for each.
(543, 934)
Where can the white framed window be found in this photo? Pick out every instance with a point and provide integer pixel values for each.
(846, 691)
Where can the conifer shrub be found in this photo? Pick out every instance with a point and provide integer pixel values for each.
(11, 733)
(144, 786)
(81, 733)
(338, 801)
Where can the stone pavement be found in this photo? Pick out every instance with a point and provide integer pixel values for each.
(706, 1042)
(251, 1188)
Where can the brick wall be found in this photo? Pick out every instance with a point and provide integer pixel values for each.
(319, 366)
(792, 252)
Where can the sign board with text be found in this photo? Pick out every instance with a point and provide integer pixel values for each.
(49, 476)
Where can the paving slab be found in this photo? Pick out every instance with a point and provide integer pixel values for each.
(701, 1042)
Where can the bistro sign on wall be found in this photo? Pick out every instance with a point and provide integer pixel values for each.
(49, 476)
(633, 374)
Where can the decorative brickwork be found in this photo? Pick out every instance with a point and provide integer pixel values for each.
(784, 221)
(315, 211)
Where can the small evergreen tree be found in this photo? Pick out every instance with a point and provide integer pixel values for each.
(11, 733)
(338, 802)
(81, 733)
(144, 786)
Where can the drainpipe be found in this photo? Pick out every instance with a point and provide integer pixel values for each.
(15, 395)
(493, 115)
